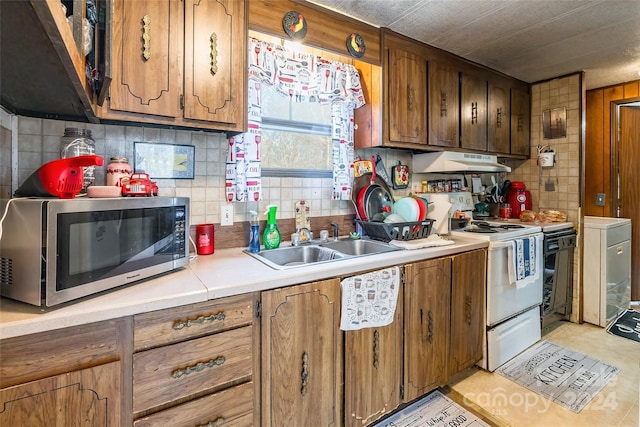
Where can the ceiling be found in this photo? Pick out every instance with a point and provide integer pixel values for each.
(532, 40)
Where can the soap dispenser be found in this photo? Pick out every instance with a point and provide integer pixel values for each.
(271, 235)
(254, 236)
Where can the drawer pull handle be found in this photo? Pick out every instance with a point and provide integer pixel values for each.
(215, 423)
(198, 367)
(213, 42)
(376, 349)
(305, 374)
(146, 37)
(199, 321)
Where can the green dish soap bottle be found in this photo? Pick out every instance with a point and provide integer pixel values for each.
(271, 235)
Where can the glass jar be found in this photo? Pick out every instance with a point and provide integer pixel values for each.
(117, 169)
(78, 142)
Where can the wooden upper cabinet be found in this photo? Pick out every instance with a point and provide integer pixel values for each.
(179, 63)
(499, 116)
(215, 45)
(473, 112)
(147, 57)
(520, 122)
(407, 97)
(444, 104)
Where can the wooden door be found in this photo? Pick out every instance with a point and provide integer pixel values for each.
(444, 105)
(499, 117)
(373, 371)
(473, 112)
(215, 61)
(302, 354)
(629, 178)
(85, 397)
(427, 298)
(407, 97)
(520, 122)
(468, 284)
(147, 57)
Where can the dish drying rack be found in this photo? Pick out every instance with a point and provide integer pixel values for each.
(387, 232)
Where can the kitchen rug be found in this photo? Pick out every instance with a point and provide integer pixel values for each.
(627, 325)
(436, 409)
(564, 376)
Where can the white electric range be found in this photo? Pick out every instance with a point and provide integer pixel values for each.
(512, 308)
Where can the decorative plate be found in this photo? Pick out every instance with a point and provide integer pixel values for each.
(295, 25)
(355, 45)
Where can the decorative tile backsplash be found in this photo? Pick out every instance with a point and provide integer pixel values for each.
(39, 141)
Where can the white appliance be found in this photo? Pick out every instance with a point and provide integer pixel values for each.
(513, 309)
(453, 161)
(606, 268)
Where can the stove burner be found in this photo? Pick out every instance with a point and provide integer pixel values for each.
(480, 230)
(485, 225)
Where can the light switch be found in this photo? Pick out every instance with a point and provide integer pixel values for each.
(226, 215)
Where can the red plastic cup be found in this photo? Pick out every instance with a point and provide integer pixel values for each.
(204, 239)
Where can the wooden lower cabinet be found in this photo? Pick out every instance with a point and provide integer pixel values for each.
(197, 364)
(302, 352)
(444, 304)
(427, 298)
(372, 371)
(468, 284)
(86, 397)
(66, 377)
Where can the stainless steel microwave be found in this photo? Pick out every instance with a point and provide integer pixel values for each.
(54, 250)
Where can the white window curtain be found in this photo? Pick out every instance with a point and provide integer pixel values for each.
(304, 78)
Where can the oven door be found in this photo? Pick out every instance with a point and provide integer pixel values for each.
(506, 299)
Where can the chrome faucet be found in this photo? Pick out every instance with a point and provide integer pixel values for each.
(335, 230)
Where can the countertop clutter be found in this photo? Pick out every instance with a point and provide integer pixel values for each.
(227, 272)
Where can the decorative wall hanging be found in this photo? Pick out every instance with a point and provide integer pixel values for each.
(164, 160)
(304, 78)
(554, 123)
(355, 45)
(294, 25)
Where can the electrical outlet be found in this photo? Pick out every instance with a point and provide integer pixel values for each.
(600, 199)
(226, 215)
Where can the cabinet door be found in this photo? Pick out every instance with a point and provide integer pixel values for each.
(302, 355)
(444, 104)
(407, 97)
(468, 283)
(373, 371)
(426, 321)
(85, 397)
(473, 110)
(147, 57)
(520, 118)
(214, 61)
(499, 117)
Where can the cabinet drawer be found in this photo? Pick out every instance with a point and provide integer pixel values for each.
(165, 374)
(231, 407)
(181, 323)
(31, 357)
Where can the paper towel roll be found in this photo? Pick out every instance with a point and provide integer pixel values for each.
(440, 212)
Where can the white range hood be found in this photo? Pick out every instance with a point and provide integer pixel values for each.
(452, 161)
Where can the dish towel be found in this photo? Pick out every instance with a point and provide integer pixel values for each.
(427, 242)
(523, 262)
(369, 300)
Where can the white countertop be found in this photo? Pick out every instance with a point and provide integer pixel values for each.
(227, 272)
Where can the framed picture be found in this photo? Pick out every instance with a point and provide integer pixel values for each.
(554, 123)
(164, 160)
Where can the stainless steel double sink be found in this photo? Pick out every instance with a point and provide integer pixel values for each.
(320, 252)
